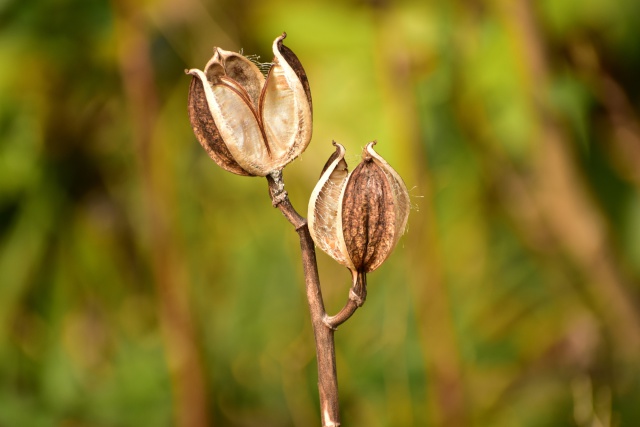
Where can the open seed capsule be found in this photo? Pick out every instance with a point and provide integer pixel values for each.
(249, 124)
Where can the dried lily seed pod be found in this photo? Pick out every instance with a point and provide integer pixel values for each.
(249, 124)
(357, 218)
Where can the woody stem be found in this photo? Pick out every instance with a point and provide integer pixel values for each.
(325, 346)
(357, 296)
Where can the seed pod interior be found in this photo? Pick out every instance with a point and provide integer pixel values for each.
(285, 108)
(250, 122)
(206, 131)
(237, 68)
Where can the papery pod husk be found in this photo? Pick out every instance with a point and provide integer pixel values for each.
(238, 69)
(287, 135)
(297, 68)
(358, 218)
(249, 125)
(206, 130)
(375, 210)
(325, 225)
(368, 216)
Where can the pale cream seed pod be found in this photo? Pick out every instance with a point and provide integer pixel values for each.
(249, 124)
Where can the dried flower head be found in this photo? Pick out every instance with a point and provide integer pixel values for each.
(249, 124)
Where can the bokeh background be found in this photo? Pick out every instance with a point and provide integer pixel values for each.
(140, 284)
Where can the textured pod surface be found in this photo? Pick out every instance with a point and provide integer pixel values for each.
(368, 216)
(358, 218)
(400, 202)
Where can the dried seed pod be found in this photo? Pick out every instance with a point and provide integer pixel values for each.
(249, 124)
(357, 218)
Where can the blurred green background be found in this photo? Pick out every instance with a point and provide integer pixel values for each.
(140, 284)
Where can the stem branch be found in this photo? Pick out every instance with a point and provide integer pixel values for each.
(357, 296)
(325, 346)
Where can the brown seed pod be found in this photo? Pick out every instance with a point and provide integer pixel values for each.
(357, 218)
(249, 124)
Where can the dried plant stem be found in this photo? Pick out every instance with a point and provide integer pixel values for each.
(325, 346)
(357, 296)
(323, 325)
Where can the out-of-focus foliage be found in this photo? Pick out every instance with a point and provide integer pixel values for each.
(142, 285)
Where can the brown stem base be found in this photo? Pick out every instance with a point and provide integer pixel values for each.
(325, 345)
(323, 325)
